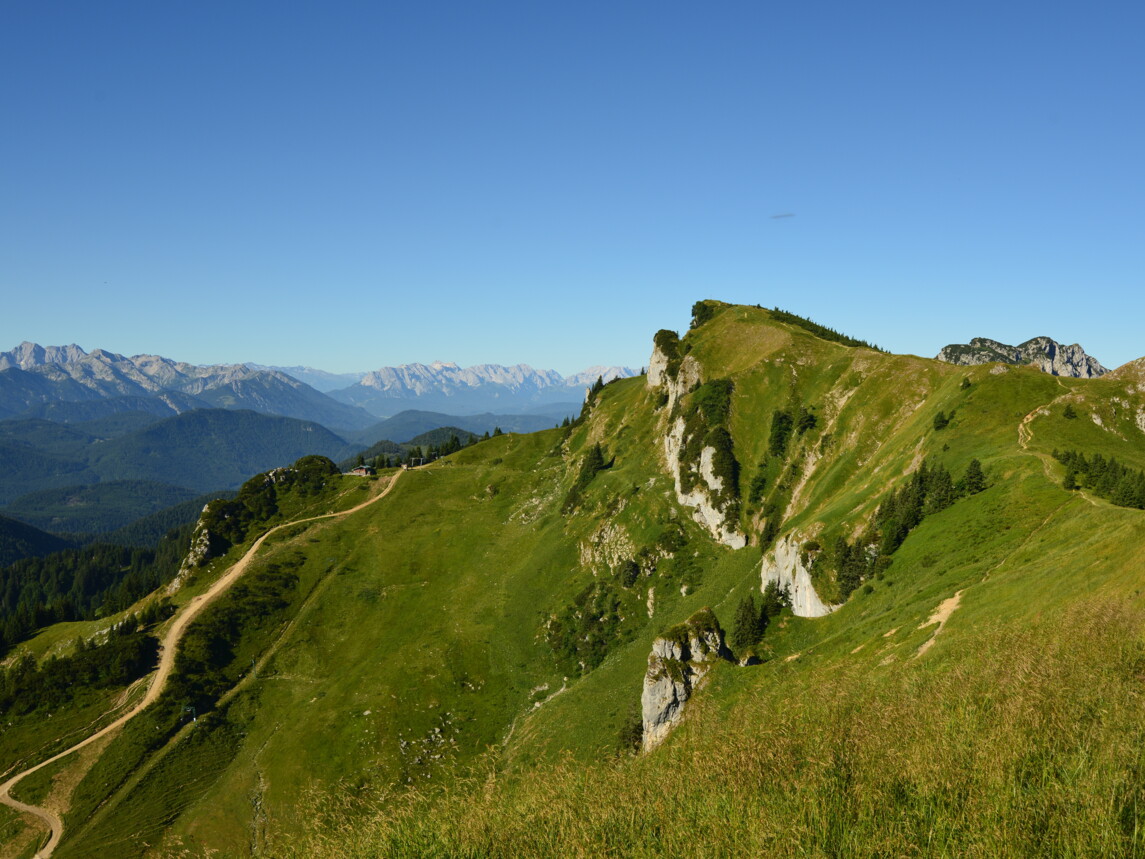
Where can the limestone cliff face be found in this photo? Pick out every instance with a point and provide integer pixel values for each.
(678, 662)
(1045, 353)
(784, 566)
(704, 494)
(204, 546)
(702, 497)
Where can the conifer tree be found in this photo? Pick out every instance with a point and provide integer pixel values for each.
(974, 480)
(749, 624)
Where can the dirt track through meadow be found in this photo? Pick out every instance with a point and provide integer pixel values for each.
(167, 649)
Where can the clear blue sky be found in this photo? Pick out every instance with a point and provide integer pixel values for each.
(354, 185)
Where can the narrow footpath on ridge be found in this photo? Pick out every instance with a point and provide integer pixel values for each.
(167, 649)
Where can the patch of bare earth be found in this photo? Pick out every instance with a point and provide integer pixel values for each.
(941, 615)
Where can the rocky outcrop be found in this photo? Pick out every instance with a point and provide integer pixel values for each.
(679, 660)
(1045, 353)
(785, 566)
(702, 496)
(676, 377)
(204, 546)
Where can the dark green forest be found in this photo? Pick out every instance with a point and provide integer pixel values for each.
(129, 652)
(199, 451)
(20, 540)
(83, 584)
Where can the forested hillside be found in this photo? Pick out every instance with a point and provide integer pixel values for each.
(18, 540)
(96, 478)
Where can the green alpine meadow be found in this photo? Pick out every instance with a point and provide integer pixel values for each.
(783, 594)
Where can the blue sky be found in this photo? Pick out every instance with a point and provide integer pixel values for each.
(351, 185)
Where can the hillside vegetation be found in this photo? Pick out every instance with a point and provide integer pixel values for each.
(457, 669)
(97, 478)
(18, 540)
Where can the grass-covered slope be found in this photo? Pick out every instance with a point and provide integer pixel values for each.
(453, 671)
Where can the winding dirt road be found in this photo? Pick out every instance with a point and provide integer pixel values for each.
(167, 649)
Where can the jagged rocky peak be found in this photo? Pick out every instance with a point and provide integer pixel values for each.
(679, 660)
(1045, 353)
(28, 355)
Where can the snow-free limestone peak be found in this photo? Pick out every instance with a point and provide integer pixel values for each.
(1045, 353)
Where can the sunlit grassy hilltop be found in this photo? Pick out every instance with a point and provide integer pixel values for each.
(454, 670)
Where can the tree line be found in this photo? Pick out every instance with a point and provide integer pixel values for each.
(129, 652)
(930, 489)
(1105, 478)
(83, 584)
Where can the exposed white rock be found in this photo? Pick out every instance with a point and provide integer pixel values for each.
(609, 546)
(784, 566)
(678, 662)
(701, 496)
(657, 368)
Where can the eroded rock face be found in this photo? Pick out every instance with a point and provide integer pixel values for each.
(702, 497)
(1045, 353)
(678, 662)
(784, 566)
(204, 546)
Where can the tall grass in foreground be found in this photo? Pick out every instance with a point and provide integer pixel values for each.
(1030, 745)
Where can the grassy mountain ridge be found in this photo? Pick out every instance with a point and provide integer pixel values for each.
(478, 630)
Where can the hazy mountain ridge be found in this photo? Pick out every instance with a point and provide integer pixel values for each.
(1045, 353)
(33, 377)
(448, 387)
(403, 426)
(320, 380)
(20, 540)
(44, 463)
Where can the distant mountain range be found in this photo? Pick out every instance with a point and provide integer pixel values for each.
(90, 441)
(320, 380)
(1045, 353)
(68, 384)
(65, 383)
(448, 387)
